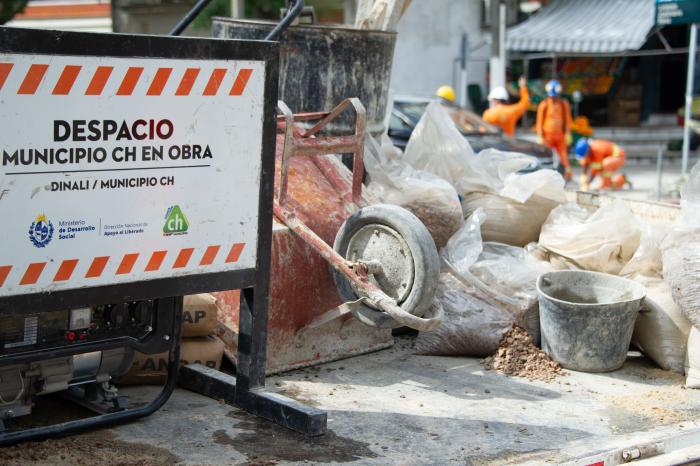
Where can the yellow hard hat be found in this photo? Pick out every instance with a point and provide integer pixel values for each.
(447, 93)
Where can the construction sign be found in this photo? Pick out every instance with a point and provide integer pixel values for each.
(123, 169)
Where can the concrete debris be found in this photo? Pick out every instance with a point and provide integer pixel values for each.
(517, 355)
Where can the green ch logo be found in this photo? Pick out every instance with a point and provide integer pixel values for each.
(175, 222)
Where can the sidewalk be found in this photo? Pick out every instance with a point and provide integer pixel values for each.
(394, 407)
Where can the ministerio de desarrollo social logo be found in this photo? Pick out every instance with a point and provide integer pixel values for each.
(41, 231)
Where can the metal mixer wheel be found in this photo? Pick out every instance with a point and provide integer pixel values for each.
(395, 239)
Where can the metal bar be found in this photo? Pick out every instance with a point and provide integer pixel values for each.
(254, 304)
(497, 65)
(689, 97)
(313, 240)
(288, 150)
(325, 145)
(331, 173)
(306, 116)
(526, 72)
(292, 14)
(634, 53)
(659, 171)
(463, 57)
(358, 167)
(95, 422)
(189, 17)
(274, 407)
(337, 110)
(663, 40)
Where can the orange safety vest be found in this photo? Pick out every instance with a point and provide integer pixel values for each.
(553, 117)
(598, 150)
(506, 116)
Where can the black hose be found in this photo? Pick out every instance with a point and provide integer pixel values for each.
(189, 17)
(292, 14)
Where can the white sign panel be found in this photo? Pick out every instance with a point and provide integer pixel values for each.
(118, 170)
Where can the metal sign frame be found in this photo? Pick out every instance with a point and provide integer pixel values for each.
(246, 389)
(14, 40)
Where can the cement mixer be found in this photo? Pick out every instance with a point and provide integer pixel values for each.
(385, 263)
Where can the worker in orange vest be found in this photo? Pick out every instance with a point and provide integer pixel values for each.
(601, 157)
(554, 124)
(503, 115)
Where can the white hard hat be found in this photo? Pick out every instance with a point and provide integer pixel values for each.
(498, 93)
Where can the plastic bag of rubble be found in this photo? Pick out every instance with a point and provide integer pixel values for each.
(486, 289)
(516, 204)
(430, 198)
(437, 146)
(661, 330)
(681, 251)
(471, 326)
(602, 241)
(692, 359)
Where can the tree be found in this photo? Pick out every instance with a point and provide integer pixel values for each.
(268, 9)
(9, 8)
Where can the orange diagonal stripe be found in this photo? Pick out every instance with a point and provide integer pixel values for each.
(5, 69)
(214, 81)
(99, 80)
(127, 264)
(155, 261)
(183, 258)
(32, 274)
(4, 272)
(209, 255)
(235, 252)
(159, 81)
(241, 81)
(131, 78)
(97, 267)
(65, 270)
(187, 81)
(32, 79)
(67, 79)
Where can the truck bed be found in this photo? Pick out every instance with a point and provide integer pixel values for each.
(395, 407)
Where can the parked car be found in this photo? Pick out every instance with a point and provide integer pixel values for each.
(481, 135)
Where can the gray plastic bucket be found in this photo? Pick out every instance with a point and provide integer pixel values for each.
(320, 65)
(587, 318)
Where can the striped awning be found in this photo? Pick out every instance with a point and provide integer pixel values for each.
(585, 26)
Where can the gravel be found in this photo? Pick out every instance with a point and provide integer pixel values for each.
(517, 355)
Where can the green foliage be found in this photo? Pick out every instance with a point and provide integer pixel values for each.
(9, 8)
(215, 8)
(257, 9)
(262, 9)
(265, 9)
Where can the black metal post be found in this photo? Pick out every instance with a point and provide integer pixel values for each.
(292, 14)
(189, 17)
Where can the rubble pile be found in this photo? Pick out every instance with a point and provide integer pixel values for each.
(442, 223)
(517, 355)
